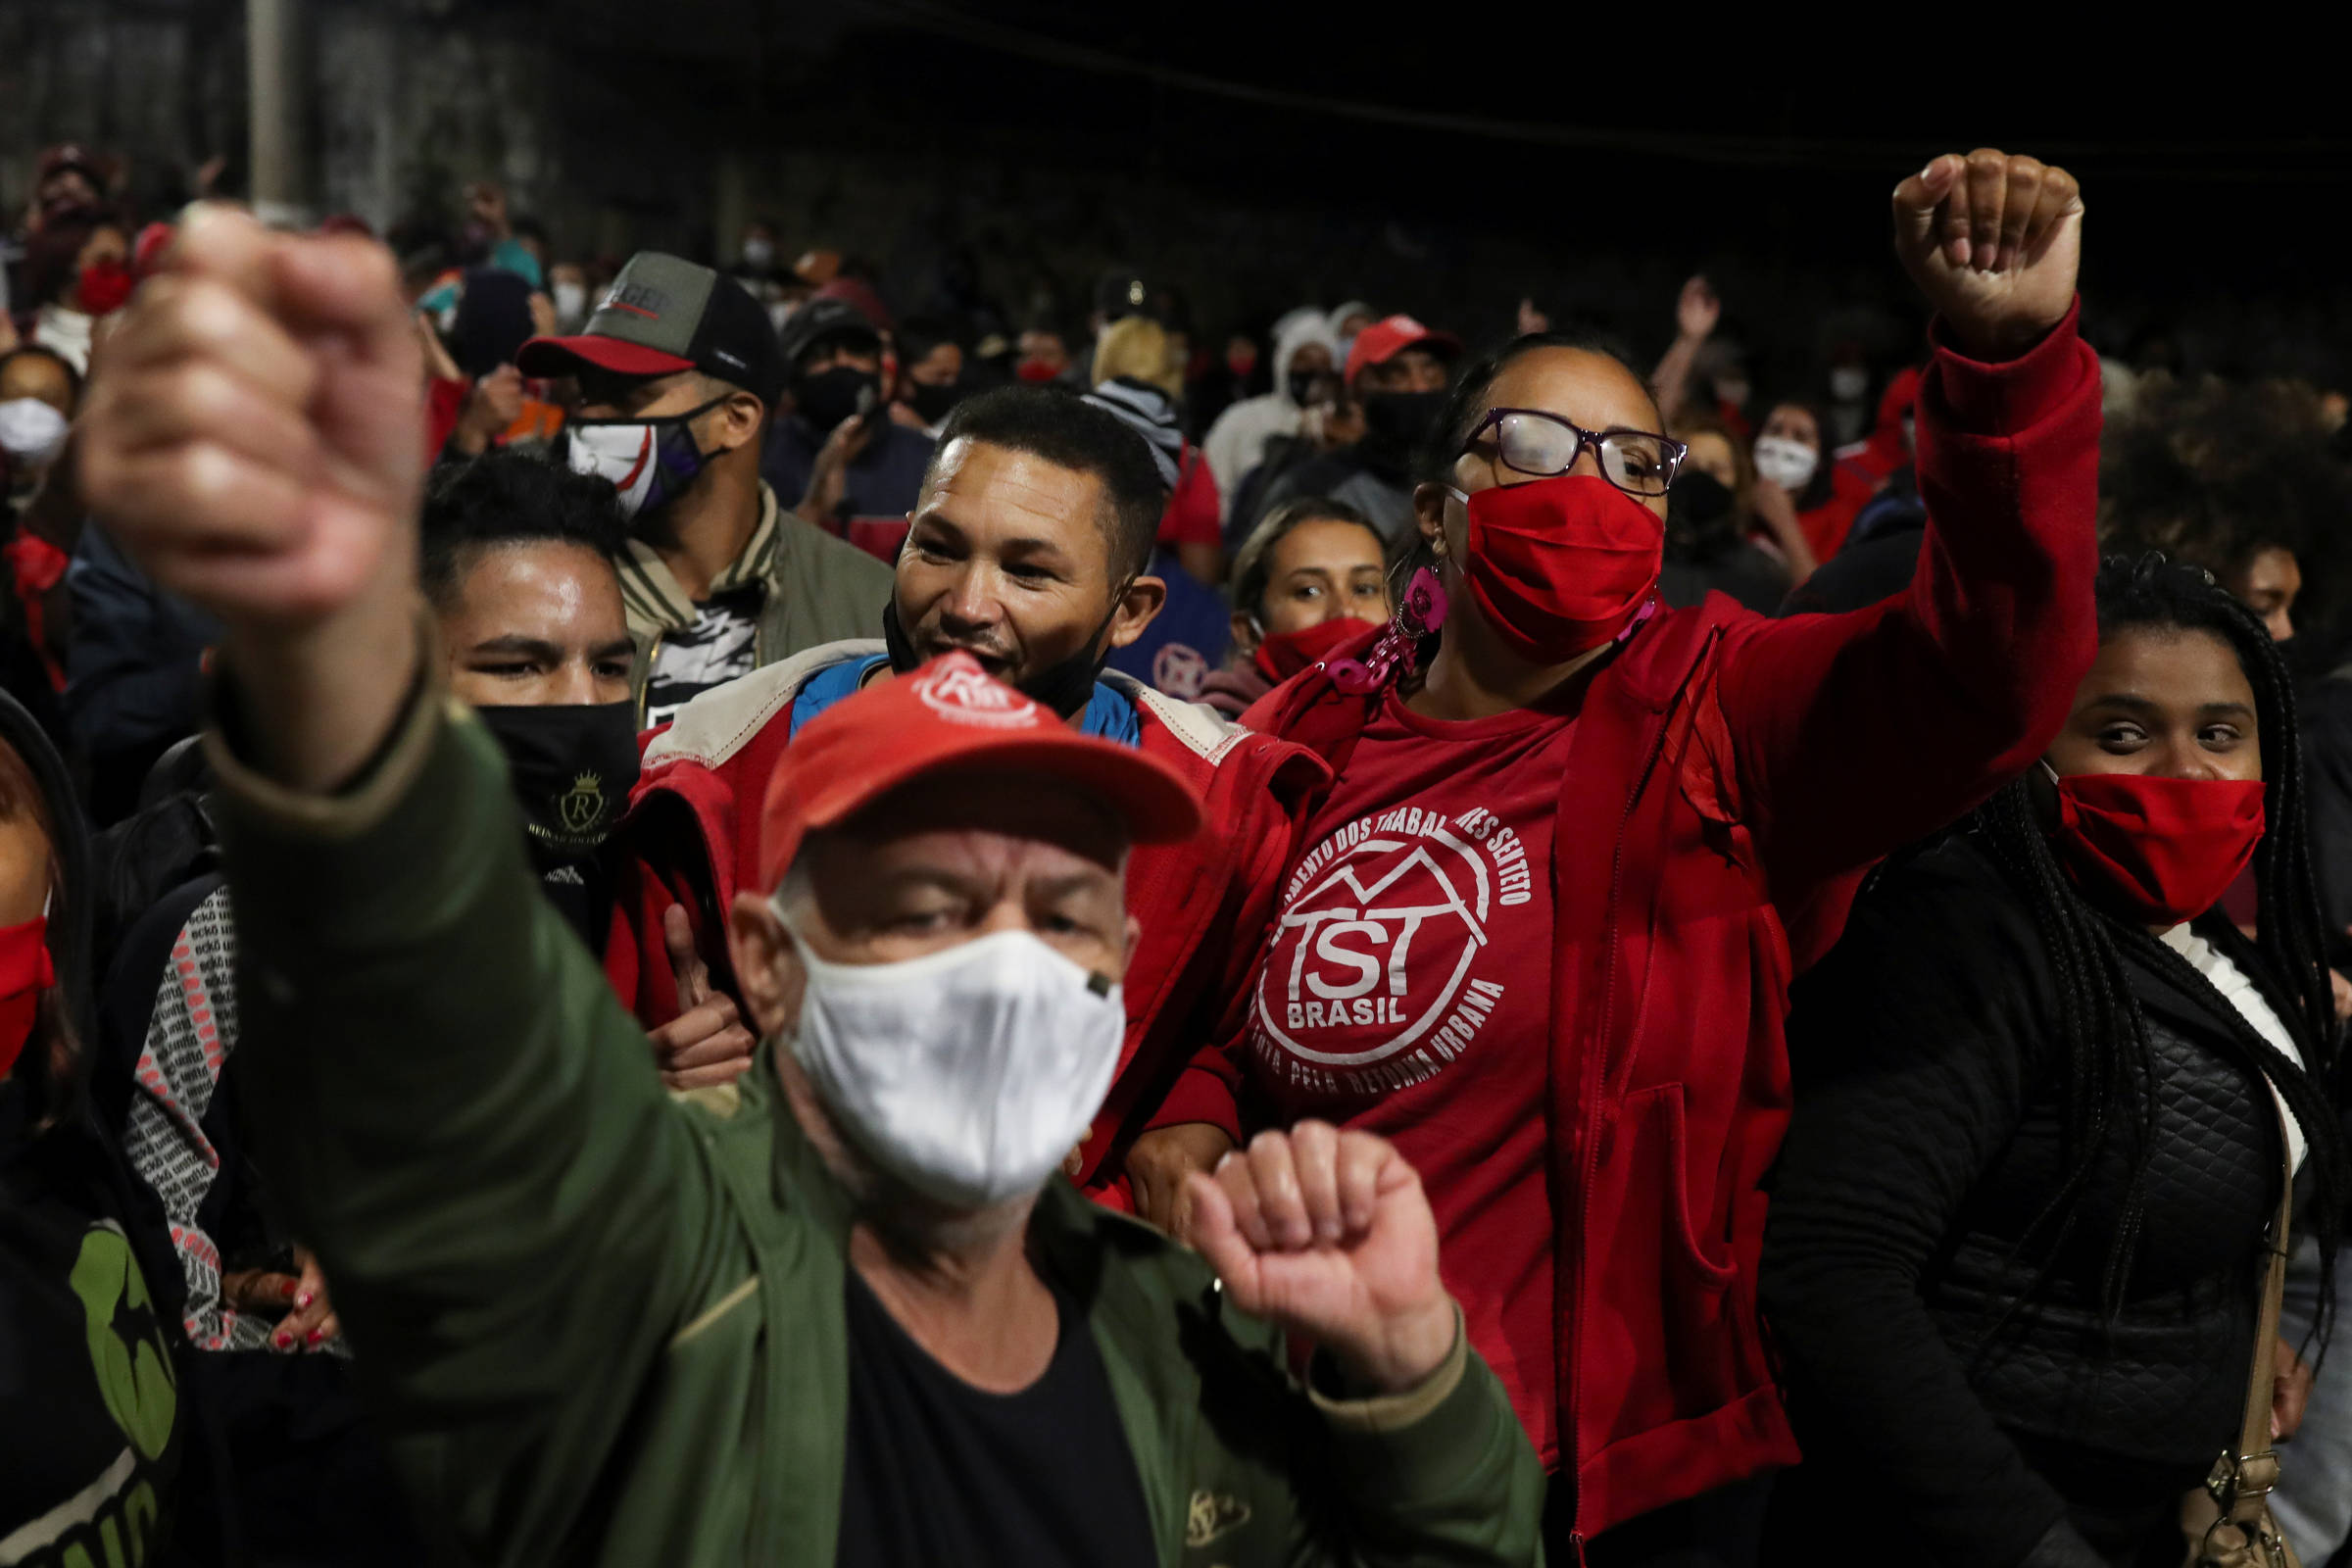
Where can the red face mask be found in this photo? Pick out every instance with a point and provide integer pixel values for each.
(1560, 565)
(1036, 371)
(105, 286)
(26, 973)
(2159, 851)
(1285, 654)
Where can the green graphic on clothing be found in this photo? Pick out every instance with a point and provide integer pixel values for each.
(136, 1380)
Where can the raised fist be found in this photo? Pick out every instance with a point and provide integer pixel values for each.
(1328, 1233)
(255, 430)
(1696, 310)
(1994, 241)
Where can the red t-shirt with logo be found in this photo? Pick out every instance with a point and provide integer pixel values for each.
(1406, 990)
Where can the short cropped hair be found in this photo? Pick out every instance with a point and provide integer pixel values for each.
(1054, 424)
(508, 498)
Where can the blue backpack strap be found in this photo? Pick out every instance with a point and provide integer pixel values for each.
(829, 686)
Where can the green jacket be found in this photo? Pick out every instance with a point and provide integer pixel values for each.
(604, 1324)
(815, 589)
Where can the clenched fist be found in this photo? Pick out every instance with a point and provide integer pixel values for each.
(1328, 1233)
(1994, 241)
(254, 437)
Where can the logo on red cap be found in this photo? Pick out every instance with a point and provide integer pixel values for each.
(958, 689)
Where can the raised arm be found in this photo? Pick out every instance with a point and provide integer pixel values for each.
(1696, 312)
(1855, 733)
(458, 1115)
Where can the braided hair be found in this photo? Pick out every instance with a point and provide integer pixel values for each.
(2107, 1073)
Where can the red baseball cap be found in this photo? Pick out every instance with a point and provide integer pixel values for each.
(952, 714)
(1383, 340)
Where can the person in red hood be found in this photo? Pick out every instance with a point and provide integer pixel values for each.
(1312, 575)
(1028, 547)
(1550, 907)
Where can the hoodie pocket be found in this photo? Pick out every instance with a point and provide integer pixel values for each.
(1660, 1325)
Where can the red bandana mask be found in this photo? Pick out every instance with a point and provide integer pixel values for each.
(1285, 654)
(26, 973)
(2160, 851)
(1560, 565)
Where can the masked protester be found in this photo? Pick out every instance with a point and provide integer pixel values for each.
(678, 371)
(935, 936)
(100, 1426)
(2018, 1231)
(932, 378)
(1634, 823)
(1791, 454)
(1397, 369)
(1713, 524)
(79, 270)
(852, 469)
(1030, 551)
(1312, 576)
(518, 567)
(1304, 349)
(38, 395)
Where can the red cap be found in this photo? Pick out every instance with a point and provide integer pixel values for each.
(952, 714)
(1382, 341)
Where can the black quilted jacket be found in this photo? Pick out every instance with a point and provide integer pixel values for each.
(1927, 1138)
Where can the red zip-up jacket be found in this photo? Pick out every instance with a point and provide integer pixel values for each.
(1730, 780)
(692, 837)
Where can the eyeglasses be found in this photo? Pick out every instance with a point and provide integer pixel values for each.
(1541, 445)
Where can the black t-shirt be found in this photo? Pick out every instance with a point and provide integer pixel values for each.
(940, 1472)
(87, 1386)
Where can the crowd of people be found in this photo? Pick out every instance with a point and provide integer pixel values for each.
(651, 913)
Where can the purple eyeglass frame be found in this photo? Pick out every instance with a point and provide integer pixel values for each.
(1675, 450)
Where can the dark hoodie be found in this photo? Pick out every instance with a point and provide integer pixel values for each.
(93, 1421)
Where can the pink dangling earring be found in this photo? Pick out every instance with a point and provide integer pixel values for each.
(1422, 611)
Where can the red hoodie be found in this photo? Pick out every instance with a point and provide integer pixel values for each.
(1729, 782)
(692, 834)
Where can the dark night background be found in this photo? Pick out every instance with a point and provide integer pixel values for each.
(1445, 161)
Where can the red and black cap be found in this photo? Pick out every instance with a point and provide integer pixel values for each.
(664, 315)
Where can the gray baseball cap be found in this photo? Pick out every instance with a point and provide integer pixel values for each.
(662, 314)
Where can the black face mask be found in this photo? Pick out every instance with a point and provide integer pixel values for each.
(829, 397)
(1300, 384)
(1699, 520)
(1395, 423)
(1065, 686)
(572, 768)
(932, 403)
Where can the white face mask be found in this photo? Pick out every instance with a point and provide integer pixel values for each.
(759, 254)
(572, 302)
(1785, 462)
(30, 430)
(970, 1073)
(1848, 382)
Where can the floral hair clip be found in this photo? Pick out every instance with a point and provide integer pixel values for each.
(1422, 612)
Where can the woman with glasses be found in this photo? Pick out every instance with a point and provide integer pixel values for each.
(1540, 928)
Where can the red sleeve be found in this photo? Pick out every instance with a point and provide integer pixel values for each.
(1193, 509)
(1827, 526)
(1857, 733)
(444, 401)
